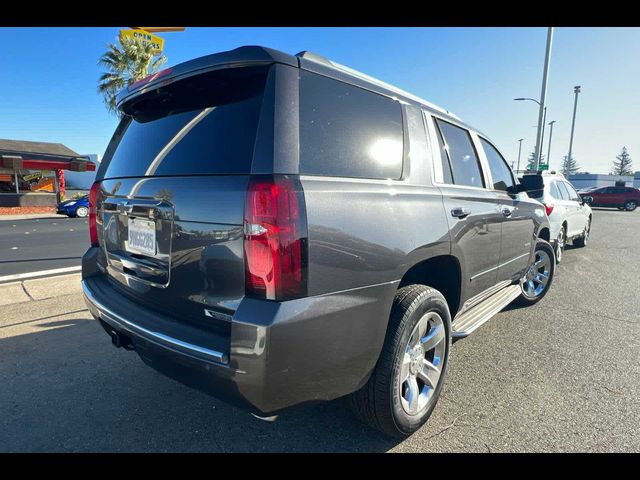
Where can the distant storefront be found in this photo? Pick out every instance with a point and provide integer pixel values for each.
(32, 173)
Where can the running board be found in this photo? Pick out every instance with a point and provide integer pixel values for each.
(471, 319)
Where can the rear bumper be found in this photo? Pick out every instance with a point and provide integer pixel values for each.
(279, 354)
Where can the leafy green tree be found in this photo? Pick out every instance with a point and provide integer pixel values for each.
(622, 165)
(130, 60)
(569, 165)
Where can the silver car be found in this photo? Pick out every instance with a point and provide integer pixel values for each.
(569, 216)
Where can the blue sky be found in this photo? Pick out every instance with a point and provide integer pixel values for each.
(49, 75)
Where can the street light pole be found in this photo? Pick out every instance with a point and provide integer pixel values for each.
(544, 120)
(519, 152)
(576, 90)
(543, 97)
(550, 137)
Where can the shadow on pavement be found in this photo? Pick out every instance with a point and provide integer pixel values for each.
(65, 388)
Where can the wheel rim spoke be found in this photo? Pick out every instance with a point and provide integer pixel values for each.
(430, 374)
(530, 287)
(413, 392)
(404, 369)
(542, 278)
(433, 338)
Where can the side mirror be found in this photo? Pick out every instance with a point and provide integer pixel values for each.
(586, 200)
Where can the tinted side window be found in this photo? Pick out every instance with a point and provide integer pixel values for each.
(447, 174)
(346, 131)
(500, 171)
(553, 190)
(573, 195)
(464, 161)
(564, 193)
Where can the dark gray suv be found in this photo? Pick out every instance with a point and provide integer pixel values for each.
(279, 230)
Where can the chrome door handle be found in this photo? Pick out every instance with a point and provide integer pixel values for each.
(460, 212)
(506, 211)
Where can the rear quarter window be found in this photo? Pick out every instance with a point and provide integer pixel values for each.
(346, 131)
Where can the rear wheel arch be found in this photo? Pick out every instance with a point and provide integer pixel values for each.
(544, 234)
(430, 272)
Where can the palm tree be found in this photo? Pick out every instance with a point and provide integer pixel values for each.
(128, 62)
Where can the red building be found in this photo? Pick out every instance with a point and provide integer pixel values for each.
(32, 173)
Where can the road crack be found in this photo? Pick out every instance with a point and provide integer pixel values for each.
(27, 292)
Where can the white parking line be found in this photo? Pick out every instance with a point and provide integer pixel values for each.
(41, 273)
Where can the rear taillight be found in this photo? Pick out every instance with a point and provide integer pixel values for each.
(549, 208)
(275, 238)
(93, 226)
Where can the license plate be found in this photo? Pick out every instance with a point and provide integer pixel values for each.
(142, 236)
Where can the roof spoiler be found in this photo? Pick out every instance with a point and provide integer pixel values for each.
(249, 55)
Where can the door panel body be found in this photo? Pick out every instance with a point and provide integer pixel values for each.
(476, 237)
(577, 216)
(518, 232)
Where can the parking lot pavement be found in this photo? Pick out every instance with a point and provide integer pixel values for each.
(36, 244)
(563, 375)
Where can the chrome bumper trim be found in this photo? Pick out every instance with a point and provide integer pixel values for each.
(112, 318)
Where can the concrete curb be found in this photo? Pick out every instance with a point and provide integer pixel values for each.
(31, 216)
(40, 288)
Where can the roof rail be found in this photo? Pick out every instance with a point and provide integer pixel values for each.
(314, 57)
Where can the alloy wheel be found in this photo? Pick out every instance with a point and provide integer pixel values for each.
(630, 206)
(587, 229)
(560, 243)
(422, 363)
(537, 277)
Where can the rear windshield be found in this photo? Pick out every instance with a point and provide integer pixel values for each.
(199, 125)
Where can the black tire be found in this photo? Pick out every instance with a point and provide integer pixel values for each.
(630, 206)
(583, 239)
(561, 243)
(378, 403)
(546, 248)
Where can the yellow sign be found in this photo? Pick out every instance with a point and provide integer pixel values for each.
(156, 42)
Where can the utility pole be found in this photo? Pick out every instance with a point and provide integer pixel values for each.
(576, 90)
(543, 97)
(519, 152)
(550, 136)
(544, 124)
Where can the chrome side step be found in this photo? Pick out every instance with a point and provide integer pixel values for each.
(469, 320)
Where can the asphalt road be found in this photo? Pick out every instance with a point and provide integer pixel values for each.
(42, 244)
(563, 375)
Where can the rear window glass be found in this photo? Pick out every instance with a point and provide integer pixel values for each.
(204, 124)
(346, 131)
